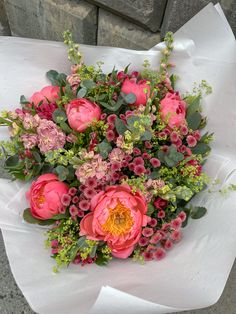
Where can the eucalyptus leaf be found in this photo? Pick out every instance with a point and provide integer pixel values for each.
(120, 126)
(82, 92)
(88, 84)
(194, 106)
(59, 116)
(32, 220)
(197, 212)
(104, 148)
(62, 172)
(194, 120)
(201, 149)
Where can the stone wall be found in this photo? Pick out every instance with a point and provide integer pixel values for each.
(136, 24)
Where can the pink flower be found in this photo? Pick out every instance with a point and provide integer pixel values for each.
(139, 170)
(116, 154)
(160, 203)
(176, 223)
(159, 253)
(49, 94)
(147, 232)
(74, 81)
(153, 222)
(50, 136)
(91, 182)
(30, 122)
(81, 113)
(65, 200)
(89, 193)
(84, 205)
(117, 217)
(45, 111)
(148, 256)
(141, 90)
(72, 191)
(161, 214)
(45, 196)
(146, 155)
(168, 245)
(71, 138)
(143, 241)
(156, 238)
(191, 140)
(75, 199)
(173, 110)
(155, 162)
(111, 118)
(110, 135)
(136, 151)
(176, 235)
(184, 129)
(29, 140)
(182, 215)
(73, 210)
(138, 161)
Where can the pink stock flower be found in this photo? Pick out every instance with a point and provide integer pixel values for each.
(49, 94)
(29, 140)
(173, 110)
(74, 81)
(117, 217)
(30, 122)
(141, 90)
(116, 154)
(50, 136)
(81, 113)
(45, 196)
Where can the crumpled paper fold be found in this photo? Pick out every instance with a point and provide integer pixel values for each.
(194, 273)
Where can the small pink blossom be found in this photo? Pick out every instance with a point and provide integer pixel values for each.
(168, 245)
(182, 215)
(74, 81)
(153, 222)
(148, 256)
(72, 191)
(197, 135)
(115, 166)
(176, 223)
(116, 154)
(159, 254)
(148, 145)
(73, 210)
(191, 140)
(174, 137)
(89, 193)
(155, 162)
(176, 235)
(139, 170)
(30, 122)
(136, 151)
(66, 199)
(71, 138)
(143, 241)
(138, 161)
(161, 214)
(80, 213)
(84, 205)
(184, 130)
(160, 203)
(156, 238)
(111, 118)
(147, 232)
(110, 135)
(146, 156)
(45, 111)
(91, 182)
(75, 199)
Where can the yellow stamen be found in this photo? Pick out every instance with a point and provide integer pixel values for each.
(119, 221)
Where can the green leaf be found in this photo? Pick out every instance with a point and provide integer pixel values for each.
(52, 75)
(161, 155)
(62, 172)
(127, 68)
(197, 212)
(154, 175)
(194, 106)
(201, 149)
(93, 252)
(68, 92)
(37, 156)
(150, 210)
(32, 220)
(59, 116)
(60, 216)
(183, 193)
(129, 98)
(81, 242)
(104, 148)
(73, 252)
(23, 100)
(115, 106)
(146, 136)
(194, 120)
(82, 92)
(120, 126)
(12, 161)
(88, 84)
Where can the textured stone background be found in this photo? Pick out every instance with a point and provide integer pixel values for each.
(136, 24)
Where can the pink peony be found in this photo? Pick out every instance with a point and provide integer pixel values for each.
(81, 113)
(49, 94)
(138, 89)
(45, 196)
(173, 110)
(50, 136)
(117, 217)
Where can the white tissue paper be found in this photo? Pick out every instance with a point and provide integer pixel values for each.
(194, 273)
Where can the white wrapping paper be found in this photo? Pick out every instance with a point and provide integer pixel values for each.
(194, 273)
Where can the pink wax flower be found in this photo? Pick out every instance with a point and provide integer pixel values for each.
(160, 203)
(29, 140)
(191, 140)
(117, 217)
(81, 113)
(173, 110)
(50, 136)
(45, 196)
(45, 111)
(141, 90)
(49, 94)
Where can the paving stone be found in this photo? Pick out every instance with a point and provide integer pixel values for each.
(148, 13)
(4, 25)
(178, 12)
(117, 32)
(47, 19)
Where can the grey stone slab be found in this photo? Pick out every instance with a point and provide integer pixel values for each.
(49, 18)
(4, 25)
(148, 13)
(118, 32)
(178, 12)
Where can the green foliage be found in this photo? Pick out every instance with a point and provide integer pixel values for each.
(171, 157)
(197, 212)
(57, 79)
(32, 220)
(201, 149)
(104, 148)
(59, 116)
(120, 126)
(194, 120)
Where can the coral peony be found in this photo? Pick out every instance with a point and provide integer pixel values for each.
(82, 113)
(49, 94)
(173, 110)
(141, 90)
(45, 196)
(117, 217)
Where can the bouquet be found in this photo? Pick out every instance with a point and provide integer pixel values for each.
(115, 159)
